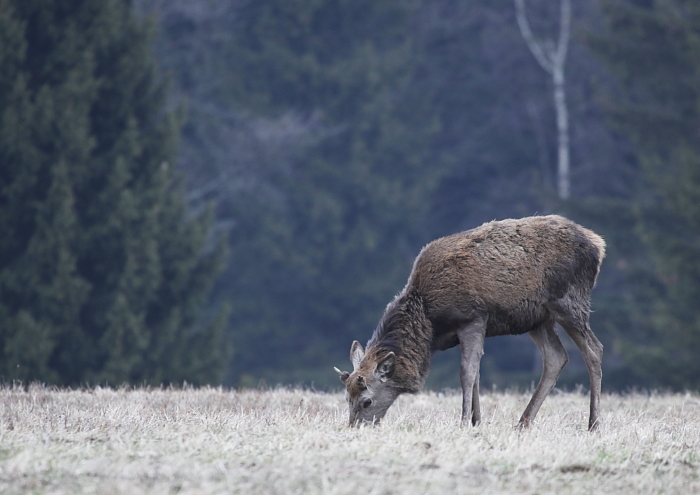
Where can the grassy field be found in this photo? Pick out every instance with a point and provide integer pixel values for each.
(291, 441)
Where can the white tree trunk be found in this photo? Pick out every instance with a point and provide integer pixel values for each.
(552, 58)
(563, 134)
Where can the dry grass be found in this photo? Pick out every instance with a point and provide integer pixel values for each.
(291, 441)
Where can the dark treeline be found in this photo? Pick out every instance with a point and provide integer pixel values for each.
(102, 270)
(232, 190)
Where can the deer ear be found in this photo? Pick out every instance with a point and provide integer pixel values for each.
(356, 354)
(386, 367)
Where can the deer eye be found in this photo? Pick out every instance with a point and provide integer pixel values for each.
(366, 403)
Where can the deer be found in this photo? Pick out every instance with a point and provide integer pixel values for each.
(506, 277)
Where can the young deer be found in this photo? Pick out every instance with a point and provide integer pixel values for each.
(503, 278)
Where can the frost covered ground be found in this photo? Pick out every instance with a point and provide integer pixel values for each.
(292, 441)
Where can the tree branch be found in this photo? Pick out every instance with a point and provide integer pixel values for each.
(535, 47)
(564, 32)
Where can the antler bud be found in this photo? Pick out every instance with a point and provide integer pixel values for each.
(343, 374)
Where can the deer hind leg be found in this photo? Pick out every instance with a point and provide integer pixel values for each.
(592, 351)
(575, 322)
(554, 358)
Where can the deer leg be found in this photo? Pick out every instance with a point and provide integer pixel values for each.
(592, 351)
(571, 312)
(471, 345)
(554, 358)
(476, 408)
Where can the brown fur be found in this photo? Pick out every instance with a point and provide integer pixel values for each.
(502, 278)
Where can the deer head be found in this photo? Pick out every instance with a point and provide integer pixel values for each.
(370, 388)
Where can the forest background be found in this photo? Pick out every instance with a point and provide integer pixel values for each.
(231, 191)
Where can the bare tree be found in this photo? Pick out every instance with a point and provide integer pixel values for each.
(552, 57)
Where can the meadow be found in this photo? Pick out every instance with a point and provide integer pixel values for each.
(287, 441)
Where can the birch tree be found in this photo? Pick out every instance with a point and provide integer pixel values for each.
(552, 58)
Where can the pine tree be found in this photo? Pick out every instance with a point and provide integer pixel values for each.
(655, 50)
(318, 261)
(101, 275)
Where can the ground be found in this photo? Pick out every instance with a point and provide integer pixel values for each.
(284, 441)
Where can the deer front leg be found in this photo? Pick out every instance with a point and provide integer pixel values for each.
(476, 408)
(471, 346)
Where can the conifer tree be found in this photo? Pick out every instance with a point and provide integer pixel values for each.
(318, 263)
(101, 273)
(654, 49)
